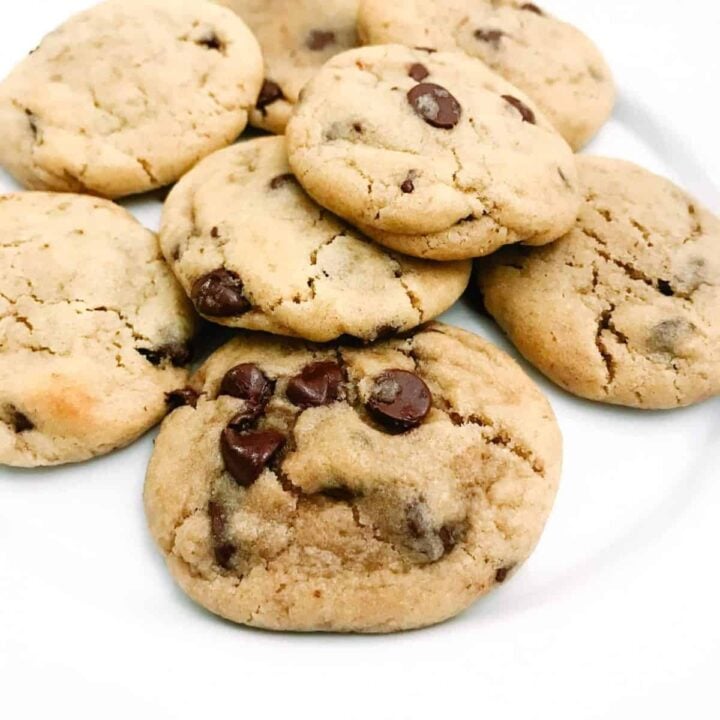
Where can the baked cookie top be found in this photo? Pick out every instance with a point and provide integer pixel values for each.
(296, 38)
(94, 329)
(127, 96)
(554, 63)
(253, 250)
(352, 489)
(412, 142)
(626, 308)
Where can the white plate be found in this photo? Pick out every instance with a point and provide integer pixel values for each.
(615, 616)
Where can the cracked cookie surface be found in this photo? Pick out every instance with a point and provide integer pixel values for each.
(408, 142)
(296, 39)
(94, 329)
(554, 63)
(352, 489)
(300, 270)
(127, 96)
(626, 308)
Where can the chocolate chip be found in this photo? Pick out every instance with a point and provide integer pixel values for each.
(32, 121)
(21, 423)
(269, 93)
(665, 288)
(408, 185)
(450, 536)
(249, 383)
(399, 399)
(219, 294)
(178, 354)
(358, 128)
(318, 384)
(526, 113)
(532, 8)
(279, 180)
(435, 105)
(181, 397)
(223, 549)
(320, 39)
(215, 233)
(246, 454)
(416, 517)
(490, 36)
(428, 50)
(666, 335)
(211, 41)
(418, 72)
(502, 573)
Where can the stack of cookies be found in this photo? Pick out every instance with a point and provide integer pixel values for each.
(343, 462)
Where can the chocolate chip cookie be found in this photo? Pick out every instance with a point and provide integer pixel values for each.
(340, 488)
(296, 39)
(412, 143)
(128, 96)
(253, 250)
(553, 62)
(626, 308)
(94, 330)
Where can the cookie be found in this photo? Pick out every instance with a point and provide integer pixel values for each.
(252, 250)
(554, 63)
(352, 489)
(94, 330)
(296, 39)
(128, 96)
(626, 308)
(409, 142)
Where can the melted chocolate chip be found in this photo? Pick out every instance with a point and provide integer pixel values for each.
(181, 397)
(280, 180)
(249, 383)
(211, 41)
(178, 354)
(269, 93)
(246, 454)
(489, 36)
(450, 536)
(320, 39)
(399, 400)
(418, 72)
(665, 288)
(435, 105)
(668, 334)
(318, 384)
(21, 423)
(408, 185)
(219, 294)
(532, 8)
(223, 549)
(525, 112)
(502, 573)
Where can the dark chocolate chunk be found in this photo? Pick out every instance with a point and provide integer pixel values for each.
(211, 41)
(249, 383)
(270, 92)
(318, 384)
(665, 288)
(408, 185)
(502, 573)
(418, 72)
(320, 39)
(525, 112)
(215, 233)
(180, 397)
(279, 180)
(246, 454)
(489, 36)
(399, 400)
(223, 549)
(21, 423)
(220, 294)
(178, 354)
(435, 105)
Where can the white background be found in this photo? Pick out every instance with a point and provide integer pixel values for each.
(615, 616)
